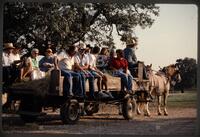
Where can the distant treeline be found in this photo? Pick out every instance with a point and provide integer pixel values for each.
(188, 71)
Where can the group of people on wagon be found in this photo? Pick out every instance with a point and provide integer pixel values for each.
(78, 63)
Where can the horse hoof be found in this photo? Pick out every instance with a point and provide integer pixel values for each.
(138, 113)
(148, 115)
(159, 114)
(166, 114)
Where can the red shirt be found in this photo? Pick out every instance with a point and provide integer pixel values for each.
(119, 63)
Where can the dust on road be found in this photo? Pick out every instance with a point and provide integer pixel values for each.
(181, 121)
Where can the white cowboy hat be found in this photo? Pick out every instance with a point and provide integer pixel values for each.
(35, 50)
(82, 46)
(8, 46)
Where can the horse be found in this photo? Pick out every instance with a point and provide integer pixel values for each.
(159, 85)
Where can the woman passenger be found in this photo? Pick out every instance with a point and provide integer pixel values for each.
(120, 69)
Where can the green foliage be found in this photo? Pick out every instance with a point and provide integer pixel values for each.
(188, 71)
(68, 23)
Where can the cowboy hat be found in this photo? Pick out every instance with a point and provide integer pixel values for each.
(82, 46)
(49, 50)
(131, 41)
(8, 46)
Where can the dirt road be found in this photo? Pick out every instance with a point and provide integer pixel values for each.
(181, 121)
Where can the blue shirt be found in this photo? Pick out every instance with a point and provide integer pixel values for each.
(129, 55)
(46, 60)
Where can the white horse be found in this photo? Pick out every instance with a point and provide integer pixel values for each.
(159, 85)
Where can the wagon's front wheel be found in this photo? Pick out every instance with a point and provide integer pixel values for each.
(69, 112)
(128, 108)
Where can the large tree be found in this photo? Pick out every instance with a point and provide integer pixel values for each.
(66, 23)
(188, 71)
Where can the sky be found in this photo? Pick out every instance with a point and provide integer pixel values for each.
(172, 36)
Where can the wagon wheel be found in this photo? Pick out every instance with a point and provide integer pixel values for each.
(29, 109)
(91, 108)
(28, 118)
(69, 112)
(128, 108)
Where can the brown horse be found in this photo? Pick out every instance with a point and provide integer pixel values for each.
(159, 85)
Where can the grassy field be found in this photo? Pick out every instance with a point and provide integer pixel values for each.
(187, 99)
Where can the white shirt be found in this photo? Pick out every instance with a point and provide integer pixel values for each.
(92, 60)
(8, 59)
(16, 56)
(82, 62)
(61, 55)
(66, 63)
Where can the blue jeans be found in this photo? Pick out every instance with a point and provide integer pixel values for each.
(126, 79)
(88, 76)
(70, 87)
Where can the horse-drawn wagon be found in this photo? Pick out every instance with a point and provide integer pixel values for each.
(48, 92)
(35, 95)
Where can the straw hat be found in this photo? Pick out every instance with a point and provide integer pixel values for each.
(49, 50)
(8, 46)
(82, 46)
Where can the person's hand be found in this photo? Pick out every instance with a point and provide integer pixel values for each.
(84, 71)
(56, 67)
(45, 64)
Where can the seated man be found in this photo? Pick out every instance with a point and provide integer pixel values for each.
(82, 65)
(129, 55)
(9, 72)
(66, 66)
(8, 59)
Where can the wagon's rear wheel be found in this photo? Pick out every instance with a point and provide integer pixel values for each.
(91, 108)
(128, 108)
(29, 109)
(69, 112)
(28, 118)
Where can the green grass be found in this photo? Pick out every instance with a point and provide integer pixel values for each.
(187, 99)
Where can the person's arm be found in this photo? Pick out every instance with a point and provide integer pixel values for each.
(111, 65)
(55, 62)
(128, 54)
(91, 66)
(28, 68)
(41, 63)
(17, 62)
(85, 67)
(134, 58)
(85, 62)
(126, 66)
